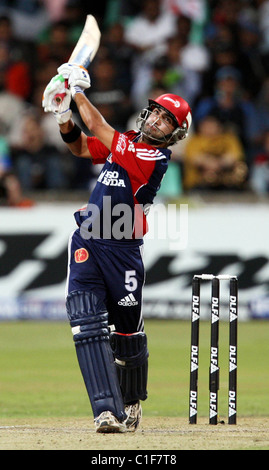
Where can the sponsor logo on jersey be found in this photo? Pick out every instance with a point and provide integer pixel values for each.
(81, 255)
(128, 301)
(111, 178)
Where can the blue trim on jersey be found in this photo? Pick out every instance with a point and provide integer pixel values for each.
(146, 194)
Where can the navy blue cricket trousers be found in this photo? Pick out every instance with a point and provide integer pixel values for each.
(114, 271)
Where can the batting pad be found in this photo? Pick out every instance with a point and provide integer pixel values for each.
(89, 322)
(131, 359)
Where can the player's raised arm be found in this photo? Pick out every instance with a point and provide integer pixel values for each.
(94, 120)
(78, 81)
(75, 139)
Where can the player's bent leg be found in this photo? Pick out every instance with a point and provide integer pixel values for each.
(89, 322)
(131, 359)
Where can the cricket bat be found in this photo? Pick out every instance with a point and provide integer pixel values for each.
(85, 49)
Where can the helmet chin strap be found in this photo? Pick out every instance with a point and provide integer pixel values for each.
(161, 140)
(141, 120)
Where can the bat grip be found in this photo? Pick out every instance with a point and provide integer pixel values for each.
(58, 98)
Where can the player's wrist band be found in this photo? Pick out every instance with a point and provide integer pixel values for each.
(71, 136)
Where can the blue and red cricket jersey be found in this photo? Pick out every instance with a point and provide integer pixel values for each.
(105, 260)
(131, 175)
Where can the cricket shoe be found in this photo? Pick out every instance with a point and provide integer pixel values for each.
(134, 416)
(106, 422)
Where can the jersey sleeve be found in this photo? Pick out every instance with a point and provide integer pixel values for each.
(98, 151)
(138, 159)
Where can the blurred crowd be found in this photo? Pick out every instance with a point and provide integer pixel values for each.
(214, 53)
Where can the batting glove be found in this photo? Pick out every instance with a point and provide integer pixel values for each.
(61, 111)
(78, 77)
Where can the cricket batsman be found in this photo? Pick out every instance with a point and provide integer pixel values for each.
(105, 269)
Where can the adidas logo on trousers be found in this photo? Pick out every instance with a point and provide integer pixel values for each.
(128, 301)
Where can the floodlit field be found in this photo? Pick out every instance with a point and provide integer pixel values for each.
(43, 403)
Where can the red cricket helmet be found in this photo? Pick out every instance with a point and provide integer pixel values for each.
(177, 108)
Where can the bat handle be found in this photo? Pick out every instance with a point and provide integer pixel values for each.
(58, 98)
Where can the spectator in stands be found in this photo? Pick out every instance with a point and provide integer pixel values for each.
(222, 55)
(214, 158)
(231, 107)
(11, 109)
(262, 7)
(29, 17)
(147, 34)
(55, 44)
(107, 94)
(226, 12)
(122, 54)
(168, 72)
(251, 61)
(10, 188)
(14, 61)
(259, 174)
(262, 107)
(14, 75)
(37, 164)
(148, 31)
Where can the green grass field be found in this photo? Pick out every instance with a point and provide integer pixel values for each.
(39, 375)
